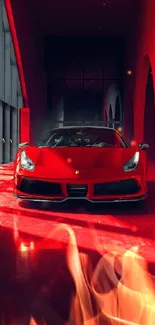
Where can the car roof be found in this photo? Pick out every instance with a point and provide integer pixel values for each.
(83, 126)
(87, 127)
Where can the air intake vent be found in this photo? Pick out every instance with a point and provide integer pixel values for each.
(117, 188)
(31, 186)
(77, 190)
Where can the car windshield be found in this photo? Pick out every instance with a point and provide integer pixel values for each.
(83, 137)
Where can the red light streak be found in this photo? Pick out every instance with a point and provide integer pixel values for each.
(85, 236)
(17, 51)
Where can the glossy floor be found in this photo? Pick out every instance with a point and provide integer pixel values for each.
(33, 255)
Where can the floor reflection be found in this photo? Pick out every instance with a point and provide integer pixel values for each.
(33, 262)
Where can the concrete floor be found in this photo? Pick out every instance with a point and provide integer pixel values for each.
(33, 257)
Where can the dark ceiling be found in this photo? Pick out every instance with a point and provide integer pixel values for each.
(86, 17)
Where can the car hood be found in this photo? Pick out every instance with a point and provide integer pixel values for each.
(80, 158)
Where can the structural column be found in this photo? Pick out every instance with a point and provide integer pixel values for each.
(1, 133)
(24, 125)
(19, 95)
(2, 39)
(10, 92)
(14, 133)
(14, 75)
(6, 133)
(7, 90)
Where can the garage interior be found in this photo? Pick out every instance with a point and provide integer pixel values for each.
(77, 56)
(75, 62)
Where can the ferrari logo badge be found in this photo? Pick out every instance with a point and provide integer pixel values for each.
(77, 172)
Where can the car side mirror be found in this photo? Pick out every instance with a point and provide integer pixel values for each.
(144, 146)
(23, 144)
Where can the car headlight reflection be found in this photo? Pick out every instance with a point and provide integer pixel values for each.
(132, 163)
(26, 162)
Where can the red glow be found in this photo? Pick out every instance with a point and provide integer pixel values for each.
(134, 228)
(17, 51)
(32, 246)
(24, 125)
(129, 72)
(119, 129)
(25, 247)
(33, 222)
(91, 229)
(133, 143)
(69, 160)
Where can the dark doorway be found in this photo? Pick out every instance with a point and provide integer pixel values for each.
(82, 105)
(77, 69)
(149, 117)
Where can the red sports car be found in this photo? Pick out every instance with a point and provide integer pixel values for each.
(91, 163)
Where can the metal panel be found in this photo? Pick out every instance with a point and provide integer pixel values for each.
(19, 87)
(12, 54)
(5, 18)
(20, 101)
(14, 76)
(10, 91)
(14, 132)
(1, 56)
(6, 134)
(7, 68)
(1, 132)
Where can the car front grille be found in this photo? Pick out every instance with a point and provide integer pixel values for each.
(117, 188)
(31, 186)
(77, 190)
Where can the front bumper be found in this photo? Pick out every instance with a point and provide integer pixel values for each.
(29, 198)
(115, 190)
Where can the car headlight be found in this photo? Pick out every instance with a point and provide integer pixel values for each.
(26, 162)
(132, 163)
